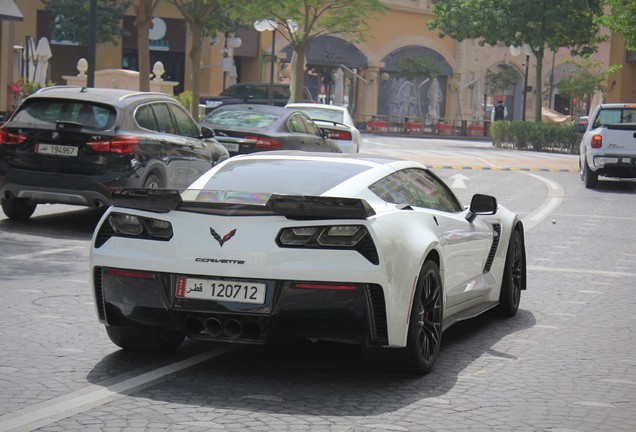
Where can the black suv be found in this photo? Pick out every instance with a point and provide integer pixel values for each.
(252, 93)
(74, 145)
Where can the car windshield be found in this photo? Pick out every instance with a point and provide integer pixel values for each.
(46, 112)
(322, 114)
(251, 119)
(254, 181)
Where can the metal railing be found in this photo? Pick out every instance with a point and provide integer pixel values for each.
(382, 124)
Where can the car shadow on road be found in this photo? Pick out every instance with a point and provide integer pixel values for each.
(615, 186)
(73, 224)
(325, 379)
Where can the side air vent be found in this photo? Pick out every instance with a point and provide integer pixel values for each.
(496, 236)
(99, 295)
(377, 310)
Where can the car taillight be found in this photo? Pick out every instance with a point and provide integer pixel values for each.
(339, 135)
(267, 143)
(327, 286)
(344, 236)
(119, 144)
(8, 138)
(597, 141)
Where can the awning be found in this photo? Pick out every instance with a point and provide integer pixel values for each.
(9, 11)
(551, 116)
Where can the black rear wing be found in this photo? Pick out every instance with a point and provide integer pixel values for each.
(291, 206)
(317, 207)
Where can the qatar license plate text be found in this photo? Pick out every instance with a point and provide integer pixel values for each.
(58, 150)
(221, 290)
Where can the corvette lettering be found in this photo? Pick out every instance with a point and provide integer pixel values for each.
(219, 261)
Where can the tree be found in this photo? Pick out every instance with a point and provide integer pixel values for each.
(499, 82)
(144, 11)
(300, 21)
(542, 24)
(196, 13)
(622, 20)
(69, 19)
(583, 81)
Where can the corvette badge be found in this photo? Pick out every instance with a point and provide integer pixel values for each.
(225, 238)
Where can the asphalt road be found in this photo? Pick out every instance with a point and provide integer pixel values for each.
(566, 362)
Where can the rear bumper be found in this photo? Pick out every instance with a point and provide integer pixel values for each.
(51, 188)
(621, 166)
(289, 314)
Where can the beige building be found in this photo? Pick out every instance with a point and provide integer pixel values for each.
(363, 76)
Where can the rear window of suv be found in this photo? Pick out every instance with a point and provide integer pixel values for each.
(46, 112)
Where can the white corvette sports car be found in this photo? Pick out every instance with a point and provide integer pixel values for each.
(286, 246)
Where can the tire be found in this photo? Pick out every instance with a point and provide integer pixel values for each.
(514, 277)
(153, 182)
(589, 177)
(424, 333)
(149, 339)
(18, 208)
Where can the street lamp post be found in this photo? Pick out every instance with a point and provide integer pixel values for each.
(515, 51)
(269, 25)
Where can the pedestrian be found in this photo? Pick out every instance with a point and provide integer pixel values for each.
(499, 112)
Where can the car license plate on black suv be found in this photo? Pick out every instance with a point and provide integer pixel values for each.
(58, 150)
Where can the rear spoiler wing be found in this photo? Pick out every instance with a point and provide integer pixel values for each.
(317, 207)
(290, 206)
(154, 200)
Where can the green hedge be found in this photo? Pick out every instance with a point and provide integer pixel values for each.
(525, 135)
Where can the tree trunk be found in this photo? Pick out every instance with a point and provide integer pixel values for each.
(538, 117)
(195, 58)
(299, 73)
(143, 24)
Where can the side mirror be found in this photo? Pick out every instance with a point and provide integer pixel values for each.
(481, 205)
(207, 132)
(578, 128)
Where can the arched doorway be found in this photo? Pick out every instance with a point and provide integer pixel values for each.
(504, 82)
(325, 55)
(400, 97)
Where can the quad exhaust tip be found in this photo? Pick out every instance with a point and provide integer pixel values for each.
(231, 328)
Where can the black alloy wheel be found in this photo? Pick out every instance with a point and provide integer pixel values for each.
(514, 276)
(425, 329)
(424, 335)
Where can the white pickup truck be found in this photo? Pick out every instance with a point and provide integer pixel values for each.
(608, 147)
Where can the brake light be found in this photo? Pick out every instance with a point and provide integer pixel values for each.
(8, 138)
(597, 141)
(129, 273)
(267, 143)
(337, 287)
(339, 135)
(120, 144)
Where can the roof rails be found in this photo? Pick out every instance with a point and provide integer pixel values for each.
(45, 89)
(138, 93)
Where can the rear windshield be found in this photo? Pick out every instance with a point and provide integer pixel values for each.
(45, 112)
(250, 119)
(322, 114)
(295, 177)
(610, 116)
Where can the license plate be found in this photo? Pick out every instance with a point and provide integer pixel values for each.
(231, 147)
(221, 290)
(58, 150)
